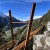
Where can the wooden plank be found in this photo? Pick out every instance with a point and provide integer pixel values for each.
(19, 22)
(29, 26)
(18, 47)
(11, 26)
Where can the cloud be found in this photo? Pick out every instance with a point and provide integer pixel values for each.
(35, 17)
(6, 14)
(28, 18)
(23, 19)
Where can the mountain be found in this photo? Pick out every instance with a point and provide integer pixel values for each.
(4, 20)
(46, 17)
(40, 21)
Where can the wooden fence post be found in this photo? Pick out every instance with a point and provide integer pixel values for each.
(11, 27)
(29, 26)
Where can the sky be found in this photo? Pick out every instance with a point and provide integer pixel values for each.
(21, 9)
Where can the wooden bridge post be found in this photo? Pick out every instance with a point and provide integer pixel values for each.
(11, 27)
(29, 26)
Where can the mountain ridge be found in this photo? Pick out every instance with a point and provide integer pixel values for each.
(40, 21)
(4, 20)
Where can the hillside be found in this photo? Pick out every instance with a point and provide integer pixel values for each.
(40, 21)
(4, 20)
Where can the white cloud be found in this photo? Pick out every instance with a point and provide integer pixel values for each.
(27, 18)
(6, 14)
(23, 19)
(35, 17)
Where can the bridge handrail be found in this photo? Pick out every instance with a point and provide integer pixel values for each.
(18, 47)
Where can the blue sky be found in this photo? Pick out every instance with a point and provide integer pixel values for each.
(21, 8)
